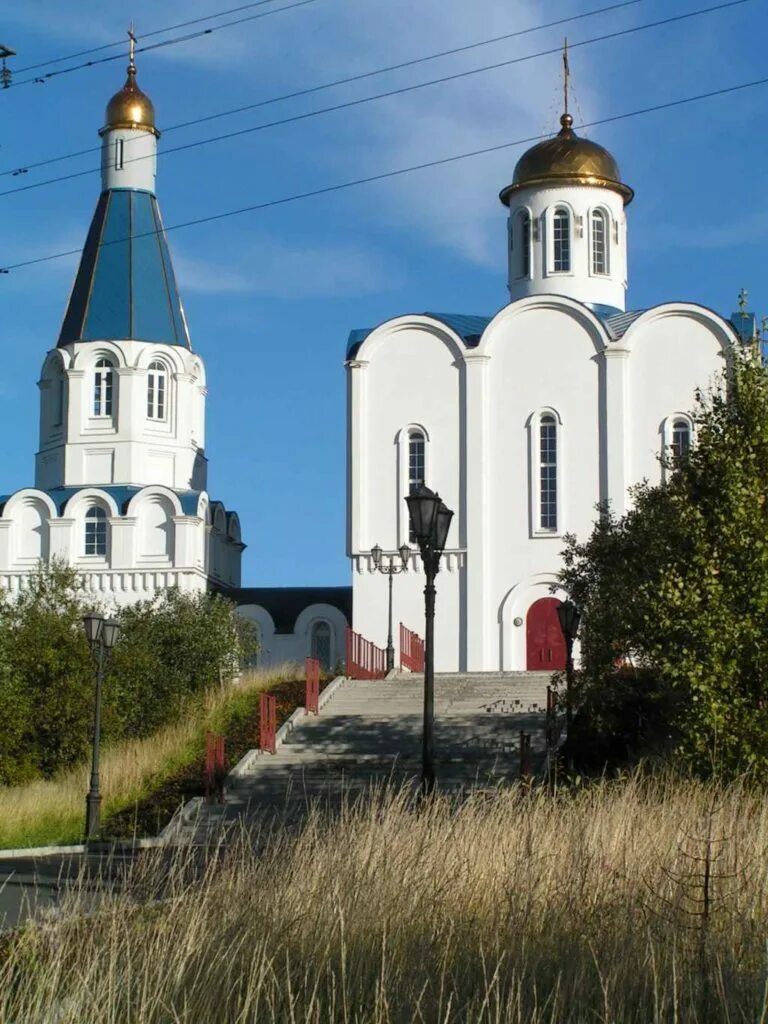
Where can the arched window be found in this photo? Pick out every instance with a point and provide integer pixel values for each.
(102, 388)
(524, 221)
(416, 465)
(547, 472)
(95, 539)
(157, 386)
(599, 242)
(681, 438)
(561, 240)
(320, 643)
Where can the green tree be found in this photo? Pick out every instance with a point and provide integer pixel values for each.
(677, 589)
(170, 650)
(46, 682)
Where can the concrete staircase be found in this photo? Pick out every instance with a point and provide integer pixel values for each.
(369, 732)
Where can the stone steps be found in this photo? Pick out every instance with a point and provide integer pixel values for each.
(369, 734)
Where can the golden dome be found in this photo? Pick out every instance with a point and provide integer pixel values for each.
(130, 107)
(567, 159)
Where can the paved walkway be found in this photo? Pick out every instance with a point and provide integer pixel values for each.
(370, 732)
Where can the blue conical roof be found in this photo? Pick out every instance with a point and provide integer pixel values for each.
(125, 287)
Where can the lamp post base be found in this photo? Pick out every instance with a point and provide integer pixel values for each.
(92, 815)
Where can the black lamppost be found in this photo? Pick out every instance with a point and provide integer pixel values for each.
(569, 616)
(101, 635)
(390, 571)
(430, 522)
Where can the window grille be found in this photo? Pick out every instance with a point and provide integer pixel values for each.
(95, 531)
(157, 379)
(547, 473)
(599, 243)
(561, 237)
(102, 388)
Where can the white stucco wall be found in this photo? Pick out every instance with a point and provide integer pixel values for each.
(478, 409)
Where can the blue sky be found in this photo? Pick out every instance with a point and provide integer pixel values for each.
(271, 296)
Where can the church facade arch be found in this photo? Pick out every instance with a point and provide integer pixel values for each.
(513, 613)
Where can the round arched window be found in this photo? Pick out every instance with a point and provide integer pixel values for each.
(321, 643)
(157, 390)
(95, 537)
(103, 386)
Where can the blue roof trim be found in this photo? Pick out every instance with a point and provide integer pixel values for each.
(466, 325)
(122, 494)
(125, 287)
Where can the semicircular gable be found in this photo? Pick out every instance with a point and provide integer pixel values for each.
(88, 496)
(154, 491)
(25, 495)
(721, 330)
(575, 311)
(378, 337)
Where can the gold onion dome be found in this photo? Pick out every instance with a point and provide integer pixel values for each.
(567, 159)
(130, 107)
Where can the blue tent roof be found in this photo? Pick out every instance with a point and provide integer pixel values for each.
(125, 287)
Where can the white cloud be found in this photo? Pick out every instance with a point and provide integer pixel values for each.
(285, 270)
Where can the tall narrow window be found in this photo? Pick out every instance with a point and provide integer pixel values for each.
(95, 531)
(157, 378)
(416, 475)
(102, 388)
(547, 473)
(119, 143)
(561, 240)
(320, 643)
(525, 243)
(599, 243)
(681, 438)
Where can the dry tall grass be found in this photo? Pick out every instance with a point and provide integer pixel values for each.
(502, 909)
(52, 810)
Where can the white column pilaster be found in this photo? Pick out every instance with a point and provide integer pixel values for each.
(356, 460)
(616, 429)
(474, 507)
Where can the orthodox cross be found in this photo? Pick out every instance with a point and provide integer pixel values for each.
(566, 75)
(131, 47)
(743, 296)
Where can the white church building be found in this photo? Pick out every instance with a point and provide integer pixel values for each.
(120, 475)
(524, 421)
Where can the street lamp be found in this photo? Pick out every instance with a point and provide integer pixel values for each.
(569, 616)
(390, 571)
(430, 522)
(101, 635)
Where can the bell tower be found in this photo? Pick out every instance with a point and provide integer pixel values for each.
(567, 226)
(123, 394)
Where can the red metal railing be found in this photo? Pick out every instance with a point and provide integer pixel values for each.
(364, 659)
(215, 771)
(411, 650)
(312, 699)
(268, 723)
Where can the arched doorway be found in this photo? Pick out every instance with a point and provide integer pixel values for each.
(545, 646)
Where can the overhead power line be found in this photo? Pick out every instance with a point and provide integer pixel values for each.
(386, 95)
(398, 172)
(342, 81)
(144, 35)
(41, 79)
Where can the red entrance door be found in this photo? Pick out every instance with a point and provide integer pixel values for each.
(544, 638)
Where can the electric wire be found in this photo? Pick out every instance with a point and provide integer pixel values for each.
(23, 169)
(144, 35)
(42, 79)
(402, 90)
(397, 172)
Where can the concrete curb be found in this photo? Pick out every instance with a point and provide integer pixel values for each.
(191, 810)
(118, 846)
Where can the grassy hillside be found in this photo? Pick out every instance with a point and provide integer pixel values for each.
(133, 772)
(504, 909)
